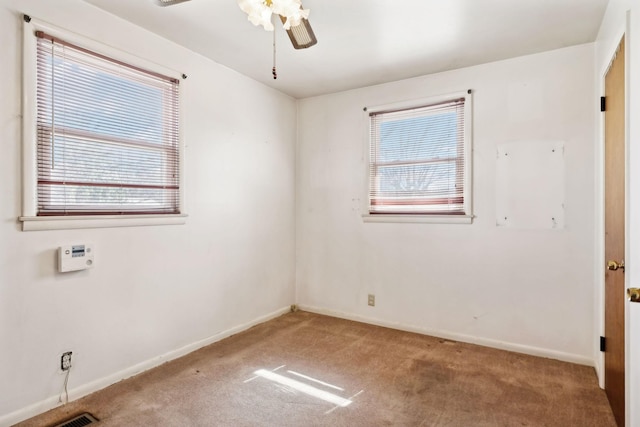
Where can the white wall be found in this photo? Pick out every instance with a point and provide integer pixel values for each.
(156, 289)
(527, 290)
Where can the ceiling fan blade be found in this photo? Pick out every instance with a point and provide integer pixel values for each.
(168, 2)
(302, 35)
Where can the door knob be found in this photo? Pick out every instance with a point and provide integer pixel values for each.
(634, 294)
(613, 265)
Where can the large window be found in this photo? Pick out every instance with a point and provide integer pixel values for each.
(419, 158)
(107, 137)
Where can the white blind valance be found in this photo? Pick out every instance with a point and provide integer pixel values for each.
(107, 134)
(417, 160)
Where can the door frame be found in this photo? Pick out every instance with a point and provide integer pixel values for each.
(599, 265)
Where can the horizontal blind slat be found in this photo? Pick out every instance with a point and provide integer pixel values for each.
(108, 134)
(417, 159)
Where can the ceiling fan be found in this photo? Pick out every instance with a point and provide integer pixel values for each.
(294, 18)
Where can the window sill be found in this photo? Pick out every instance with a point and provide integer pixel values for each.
(36, 223)
(426, 219)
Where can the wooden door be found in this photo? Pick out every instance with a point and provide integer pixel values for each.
(614, 189)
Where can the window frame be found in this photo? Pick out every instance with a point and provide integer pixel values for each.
(30, 220)
(467, 217)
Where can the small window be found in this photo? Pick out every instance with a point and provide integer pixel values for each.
(419, 162)
(106, 137)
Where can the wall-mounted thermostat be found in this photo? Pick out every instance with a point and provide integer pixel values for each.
(75, 257)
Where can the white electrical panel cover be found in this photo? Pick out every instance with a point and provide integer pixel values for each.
(75, 257)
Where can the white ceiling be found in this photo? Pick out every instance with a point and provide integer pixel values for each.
(366, 42)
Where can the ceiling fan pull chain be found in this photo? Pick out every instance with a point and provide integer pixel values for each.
(273, 70)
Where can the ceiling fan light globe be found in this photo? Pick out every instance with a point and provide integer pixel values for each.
(296, 18)
(291, 10)
(285, 6)
(258, 13)
(262, 18)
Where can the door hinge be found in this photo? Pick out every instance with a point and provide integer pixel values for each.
(603, 103)
(603, 344)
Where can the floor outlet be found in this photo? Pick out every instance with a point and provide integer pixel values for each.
(372, 300)
(65, 361)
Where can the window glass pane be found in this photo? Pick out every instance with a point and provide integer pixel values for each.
(101, 198)
(417, 181)
(431, 136)
(107, 134)
(95, 100)
(96, 162)
(418, 159)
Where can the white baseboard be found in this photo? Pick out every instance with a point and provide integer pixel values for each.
(85, 389)
(502, 345)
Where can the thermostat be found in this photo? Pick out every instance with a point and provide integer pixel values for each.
(75, 257)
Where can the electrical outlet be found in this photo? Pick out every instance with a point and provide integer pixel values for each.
(65, 361)
(372, 300)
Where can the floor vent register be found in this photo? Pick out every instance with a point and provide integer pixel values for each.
(79, 421)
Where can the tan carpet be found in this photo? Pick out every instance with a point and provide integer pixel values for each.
(304, 369)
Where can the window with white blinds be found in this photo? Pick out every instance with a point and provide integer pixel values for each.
(418, 160)
(107, 134)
